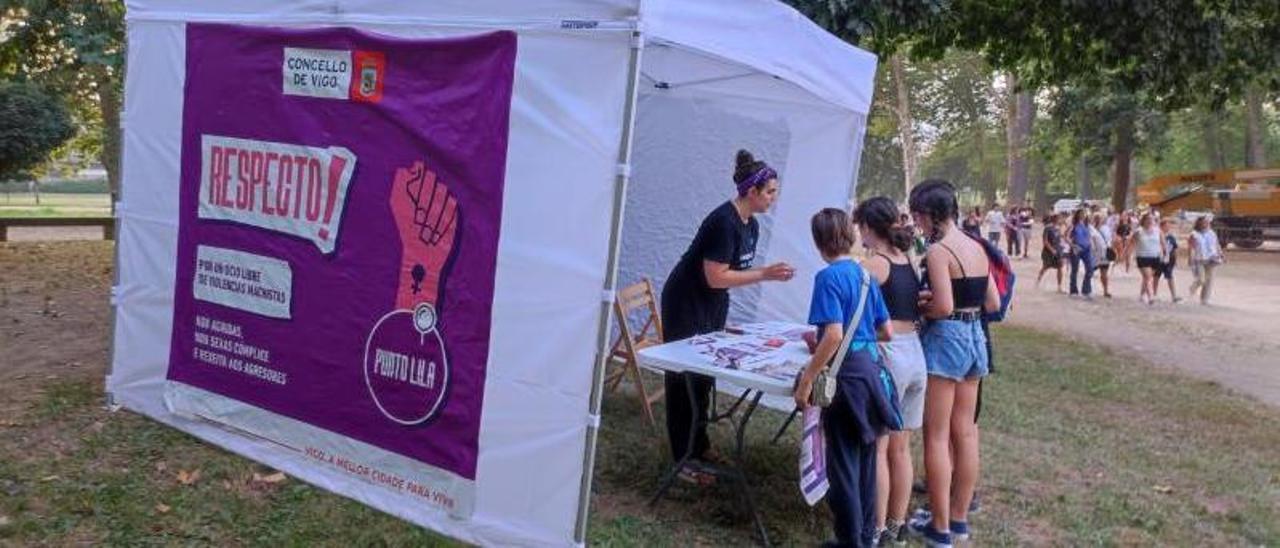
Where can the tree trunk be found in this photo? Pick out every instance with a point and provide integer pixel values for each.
(1209, 122)
(1086, 182)
(109, 108)
(906, 124)
(1254, 129)
(1040, 185)
(1136, 177)
(1020, 116)
(35, 189)
(1120, 163)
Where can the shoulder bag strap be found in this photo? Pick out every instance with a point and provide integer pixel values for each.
(849, 329)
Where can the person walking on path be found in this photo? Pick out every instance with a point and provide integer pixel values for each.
(1124, 239)
(1149, 250)
(1013, 246)
(972, 223)
(995, 224)
(1099, 239)
(1051, 255)
(1026, 222)
(1169, 250)
(1206, 255)
(1081, 255)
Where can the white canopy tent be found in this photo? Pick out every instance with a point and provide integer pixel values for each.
(624, 120)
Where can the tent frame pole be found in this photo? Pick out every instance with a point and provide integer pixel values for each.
(605, 326)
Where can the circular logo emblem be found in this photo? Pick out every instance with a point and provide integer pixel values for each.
(406, 366)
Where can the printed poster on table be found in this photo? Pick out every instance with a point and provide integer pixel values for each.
(341, 198)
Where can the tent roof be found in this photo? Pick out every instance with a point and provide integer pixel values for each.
(765, 35)
(771, 37)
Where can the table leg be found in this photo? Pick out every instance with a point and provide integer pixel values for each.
(744, 490)
(732, 408)
(785, 424)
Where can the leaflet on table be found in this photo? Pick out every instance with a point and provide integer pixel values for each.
(787, 331)
(752, 353)
(340, 202)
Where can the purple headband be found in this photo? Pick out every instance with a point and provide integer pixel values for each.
(759, 177)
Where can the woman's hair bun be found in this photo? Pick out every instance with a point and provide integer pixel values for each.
(744, 159)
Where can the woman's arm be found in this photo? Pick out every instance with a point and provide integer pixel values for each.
(941, 304)
(884, 332)
(720, 276)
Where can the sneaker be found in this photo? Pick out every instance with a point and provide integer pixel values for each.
(975, 505)
(959, 529)
(894, 534)
(932, 537)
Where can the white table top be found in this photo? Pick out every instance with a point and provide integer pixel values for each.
(765, 356)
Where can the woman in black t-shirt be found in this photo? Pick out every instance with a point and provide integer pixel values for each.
(695, 299)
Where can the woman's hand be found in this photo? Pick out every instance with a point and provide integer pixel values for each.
(803, 388)
(779, 272)
(924, 298)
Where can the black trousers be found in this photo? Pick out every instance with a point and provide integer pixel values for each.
(851, 473)
(681, 412)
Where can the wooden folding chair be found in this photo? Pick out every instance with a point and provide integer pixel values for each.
(630, 341)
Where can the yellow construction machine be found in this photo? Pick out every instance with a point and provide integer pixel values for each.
(1244, 203)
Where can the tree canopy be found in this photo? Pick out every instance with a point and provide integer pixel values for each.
(32, 124)
(1172, 53)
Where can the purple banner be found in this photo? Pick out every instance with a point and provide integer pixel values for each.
(341, 199)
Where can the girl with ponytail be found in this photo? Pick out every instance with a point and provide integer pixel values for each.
(888, 241)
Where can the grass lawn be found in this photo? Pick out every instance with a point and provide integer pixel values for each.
(1080, 447)
(23, 204)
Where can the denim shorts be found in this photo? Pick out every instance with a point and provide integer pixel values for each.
(954, 349)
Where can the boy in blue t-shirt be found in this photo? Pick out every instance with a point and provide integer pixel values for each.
(865, 405)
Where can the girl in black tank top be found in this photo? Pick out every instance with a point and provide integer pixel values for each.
(887, 237)
(901, 289)
(884, 235)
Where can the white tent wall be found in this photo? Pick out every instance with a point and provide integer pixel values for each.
(568, 102)
(695, 113)
(685, 149)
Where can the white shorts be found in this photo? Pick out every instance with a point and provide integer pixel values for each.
(904, 357)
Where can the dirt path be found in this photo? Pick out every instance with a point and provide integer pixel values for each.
(1233, 343)
(54, 316)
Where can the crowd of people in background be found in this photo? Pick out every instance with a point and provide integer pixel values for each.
(1090, 243)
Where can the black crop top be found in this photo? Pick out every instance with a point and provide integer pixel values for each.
(969, 291)
(901, 291)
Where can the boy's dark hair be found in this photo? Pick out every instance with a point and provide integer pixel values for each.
(832, 232)
(880, 216)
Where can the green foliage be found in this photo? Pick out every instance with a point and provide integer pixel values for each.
(70, 46)
(1097, 119)
(1170, 52)
(32, 124)
(880, 173)
(75, 49)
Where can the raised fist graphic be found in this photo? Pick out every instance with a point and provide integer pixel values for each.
(426, 216)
